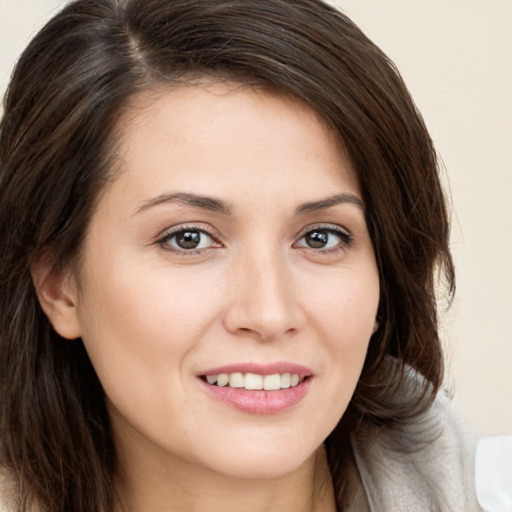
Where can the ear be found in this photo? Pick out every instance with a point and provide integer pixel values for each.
(57, 294)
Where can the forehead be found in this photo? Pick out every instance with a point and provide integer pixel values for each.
(203, 135)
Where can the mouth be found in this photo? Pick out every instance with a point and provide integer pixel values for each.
(258, 389)
(255, 382)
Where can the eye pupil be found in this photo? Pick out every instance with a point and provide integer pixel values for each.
(188, 239)
(317, 239)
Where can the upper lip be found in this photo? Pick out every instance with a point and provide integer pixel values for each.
(261, 369)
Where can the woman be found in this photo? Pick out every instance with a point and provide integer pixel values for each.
(221, 228)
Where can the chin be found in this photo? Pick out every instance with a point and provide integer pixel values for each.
(268, 460)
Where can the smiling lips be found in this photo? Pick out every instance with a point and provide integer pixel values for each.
(253, 381)
(258, 389)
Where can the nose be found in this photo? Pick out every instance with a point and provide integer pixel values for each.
(262, 302)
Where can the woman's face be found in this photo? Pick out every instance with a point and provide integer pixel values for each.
(231, 248)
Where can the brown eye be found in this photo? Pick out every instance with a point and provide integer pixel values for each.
(187, 239)
(317, 239)
(324, 239)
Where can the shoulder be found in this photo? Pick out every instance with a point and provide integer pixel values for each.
(428, 464)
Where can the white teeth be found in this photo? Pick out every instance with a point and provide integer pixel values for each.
(272, 382)
(222, 379)
(236, 380)
(253, 381)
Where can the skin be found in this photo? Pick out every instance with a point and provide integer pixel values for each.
(154, 316)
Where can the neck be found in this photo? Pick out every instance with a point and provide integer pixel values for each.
(194, 489)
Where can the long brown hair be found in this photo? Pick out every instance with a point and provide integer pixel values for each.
(57, 145)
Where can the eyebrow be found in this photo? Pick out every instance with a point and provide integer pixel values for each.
(218, 206)
(329, 202)
(196, 201)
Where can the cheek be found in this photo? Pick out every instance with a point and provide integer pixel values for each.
(141, 330)
(344, 313)
(140, 323)
(158, 304)
(346, 305)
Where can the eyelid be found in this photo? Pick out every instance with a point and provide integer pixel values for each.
(325, 226)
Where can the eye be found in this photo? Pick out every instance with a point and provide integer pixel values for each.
(324, 239)
(188, 240)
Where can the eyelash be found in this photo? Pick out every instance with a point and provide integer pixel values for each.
(345, 239)
(164, 240)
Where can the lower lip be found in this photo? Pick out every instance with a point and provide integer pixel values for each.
(259, 401)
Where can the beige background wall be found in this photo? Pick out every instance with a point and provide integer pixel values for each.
(456, 57)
